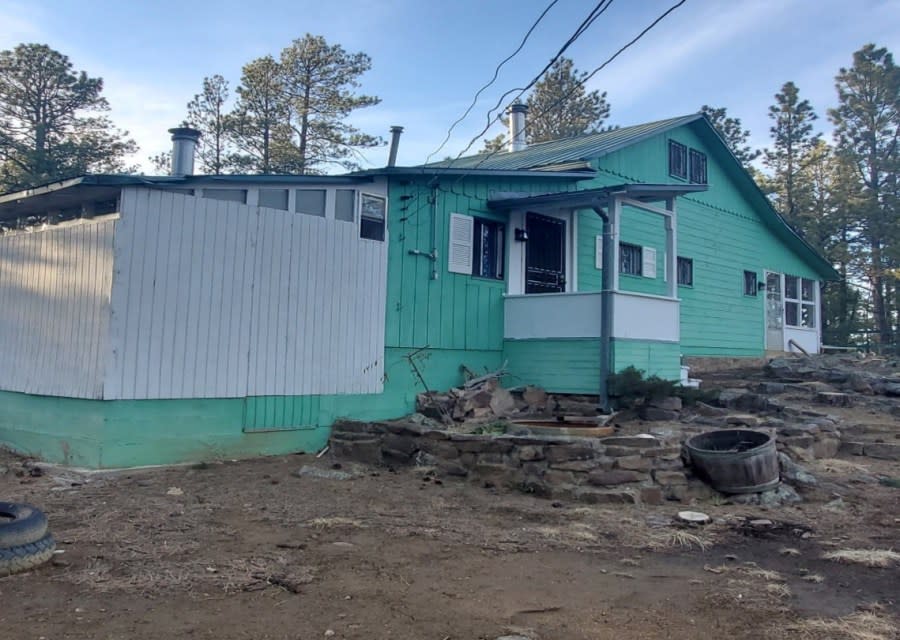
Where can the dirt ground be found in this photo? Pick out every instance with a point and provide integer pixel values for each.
(251, 550)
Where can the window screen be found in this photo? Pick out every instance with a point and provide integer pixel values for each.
(373, 211)
(488, 249)
(630, 259)
(685, 271)
(750, 286)
(677, 160)
(274, 198)
(311, 202)
(698, 167)
(230, 195)
(345, 205)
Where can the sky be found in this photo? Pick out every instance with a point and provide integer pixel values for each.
(429, 57)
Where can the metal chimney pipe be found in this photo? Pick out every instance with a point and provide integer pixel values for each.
(395, 143)
(184, 142)
(517, 113)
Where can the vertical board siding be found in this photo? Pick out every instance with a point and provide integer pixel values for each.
(54, 292)
(216, 299)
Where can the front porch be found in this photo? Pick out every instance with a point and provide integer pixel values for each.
(569, 340)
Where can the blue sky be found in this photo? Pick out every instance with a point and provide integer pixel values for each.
(430, 56)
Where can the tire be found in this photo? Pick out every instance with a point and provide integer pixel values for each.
(28, 524)
(26, 556)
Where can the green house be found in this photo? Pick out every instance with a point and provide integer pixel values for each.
(188, 317)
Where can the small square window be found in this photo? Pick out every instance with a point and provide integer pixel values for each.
(750, 283)
(311, 202)
(791, 314)
(488, 249)
(791, 285)
(229, 195)
(373, 210)
(698, 167)
(345, 205)
(677, 160)
(631, 259)
(274, 198)
(685, 271)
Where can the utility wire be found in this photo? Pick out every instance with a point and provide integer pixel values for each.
(580, 83)
(595, 13)
(492, 80)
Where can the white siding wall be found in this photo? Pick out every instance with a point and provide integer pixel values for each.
(219, 299)
(54, 309)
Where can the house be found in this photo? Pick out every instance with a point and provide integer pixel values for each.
(148, 320)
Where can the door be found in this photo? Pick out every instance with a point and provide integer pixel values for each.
(774, 312)
(545, 254)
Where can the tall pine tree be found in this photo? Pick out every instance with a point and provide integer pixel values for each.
(207, 113)
(792, 139)
(560, 106)
(51, 120)
(732, 132)
(867, 130)
(260, 121)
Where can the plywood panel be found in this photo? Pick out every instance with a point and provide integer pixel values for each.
(54, 297)
(221, 299)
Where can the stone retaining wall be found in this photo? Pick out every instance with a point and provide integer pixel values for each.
(619, 469)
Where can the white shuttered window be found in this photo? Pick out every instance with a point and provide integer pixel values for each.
(648, 269)
(462, 231)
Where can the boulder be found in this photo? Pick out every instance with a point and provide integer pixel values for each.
(657, 415)
(613, 477)
(502, 402)
(792, 471)
(535, 397)
(834, 399)
(645, 441)
(670, 403)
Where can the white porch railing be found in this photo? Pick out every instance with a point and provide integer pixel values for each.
(636, 316)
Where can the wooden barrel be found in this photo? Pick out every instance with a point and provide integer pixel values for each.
(735, 460)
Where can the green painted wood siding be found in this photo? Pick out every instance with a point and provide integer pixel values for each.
(560, 365)
(718, 229)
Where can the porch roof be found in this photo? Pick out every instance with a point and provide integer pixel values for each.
(588, 198)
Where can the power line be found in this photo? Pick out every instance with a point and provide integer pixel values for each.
(580, 83)
(492, 80)
(595, 13)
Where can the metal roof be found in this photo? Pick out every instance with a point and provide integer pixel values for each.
(598, 197)
(555, 152)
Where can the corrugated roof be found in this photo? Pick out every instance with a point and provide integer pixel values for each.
(556, 152)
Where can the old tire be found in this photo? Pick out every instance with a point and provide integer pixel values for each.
(20, 524)
(26, 556)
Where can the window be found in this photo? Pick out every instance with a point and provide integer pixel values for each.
(373, 210)
(630, 259)
(677, 160)
(750, 283)
(799, 302)
(685, 271)
(345, 205)
(311, 202)
(274, 198)
(698, 167)
(488, 254)
(229, 195)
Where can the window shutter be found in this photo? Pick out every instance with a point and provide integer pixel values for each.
(462, 230)
(649, 266)
(598, 252)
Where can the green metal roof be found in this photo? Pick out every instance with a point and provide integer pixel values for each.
(556, 152)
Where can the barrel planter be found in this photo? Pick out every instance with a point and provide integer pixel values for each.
(735, 460)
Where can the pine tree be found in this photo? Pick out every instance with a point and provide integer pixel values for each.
(319, 82)
(867, 130)
(560, 106)
(207, 113)
(51, 122)
(793, 138)
(732, 132)
(259, 123)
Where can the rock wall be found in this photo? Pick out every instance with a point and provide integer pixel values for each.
(618, 469)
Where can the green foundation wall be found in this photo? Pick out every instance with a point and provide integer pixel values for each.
(654, 358)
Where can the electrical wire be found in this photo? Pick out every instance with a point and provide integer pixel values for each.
(492, 80)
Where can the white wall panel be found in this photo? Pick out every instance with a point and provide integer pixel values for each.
(54, 297)
(646, 317)
(220, 299)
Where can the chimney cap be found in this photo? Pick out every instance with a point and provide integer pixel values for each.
(518, 107)
(396, 129)
(185, 133)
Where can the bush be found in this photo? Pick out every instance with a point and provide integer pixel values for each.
(629, 388)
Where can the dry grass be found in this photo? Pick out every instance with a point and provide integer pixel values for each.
(763, 574)
(778, 590)
(334, 522)
(788, 551)
(857, 626)
(815, 578)
(834, 465)
(659, 540)
(879, 558)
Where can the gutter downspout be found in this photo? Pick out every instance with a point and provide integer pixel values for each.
(607, 299)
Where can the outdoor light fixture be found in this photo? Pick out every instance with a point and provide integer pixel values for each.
(521, 235)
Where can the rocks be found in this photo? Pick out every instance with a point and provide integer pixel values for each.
(529, 453)
(535, 398)
(325, 474)
(566, 452)
(366, 451)
(882, 450)
(834, 399)
(657, 414)
(891, 389)
(613, 477)
(634, 463)
(743, 400)
(709, 411)
(744, 419)
(790, 470)
(502, 402)
(670, 403)
(642, 441)
(783, 494)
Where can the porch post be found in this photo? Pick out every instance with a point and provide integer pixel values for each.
(609, 285)
(672, 248)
